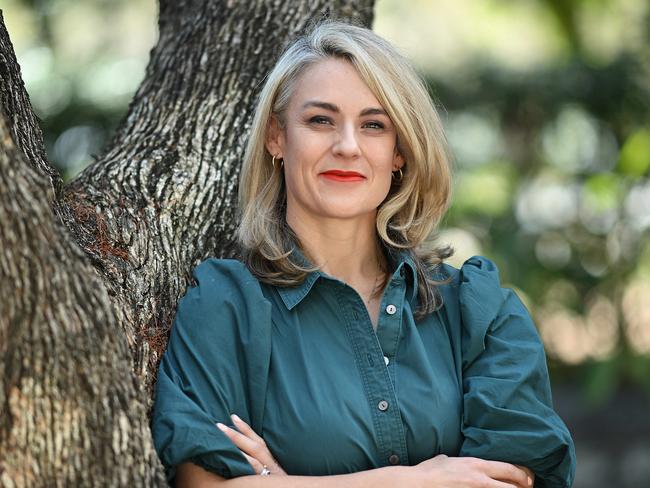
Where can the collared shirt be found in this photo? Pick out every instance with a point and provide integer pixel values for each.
(304, 367)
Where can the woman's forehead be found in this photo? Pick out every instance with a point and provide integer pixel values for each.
(334, 82)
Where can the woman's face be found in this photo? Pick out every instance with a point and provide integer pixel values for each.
(338, 145)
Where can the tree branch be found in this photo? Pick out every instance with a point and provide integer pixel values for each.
(22, 123)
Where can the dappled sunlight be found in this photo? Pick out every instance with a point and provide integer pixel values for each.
(474, 138)
(105, 83)
(574, 338)
(81, 60)
(636, 310)
(74, 145)
(577, 142)
(487, 190)
(442, 37)
(634, 159)
(465, 245)
(637, 206)
(553, 250)
(546, 203)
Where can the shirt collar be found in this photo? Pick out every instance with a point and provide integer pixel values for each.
(293, 295)
(400, 260)
(404, 266)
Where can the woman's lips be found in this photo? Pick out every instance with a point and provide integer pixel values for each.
(338, 175)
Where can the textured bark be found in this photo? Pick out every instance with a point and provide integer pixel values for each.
(73, 413)
(20, 120)
(162, 197)
(91, 273)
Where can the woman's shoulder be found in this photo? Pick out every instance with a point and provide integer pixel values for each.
(473, 298)
(476, 283)
(224, 299)
(223, 275)
(217, 282)
(213, 268)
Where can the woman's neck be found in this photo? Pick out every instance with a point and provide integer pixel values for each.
(347, 249)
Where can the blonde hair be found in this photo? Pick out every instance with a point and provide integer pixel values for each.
(414, 205)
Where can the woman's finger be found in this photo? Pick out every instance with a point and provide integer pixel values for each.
(247, 445)
(506, 472)
(254, 448)
(529, 472)
(255, 464)
(246, 429)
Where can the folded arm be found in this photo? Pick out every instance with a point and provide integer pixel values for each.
(439, 472)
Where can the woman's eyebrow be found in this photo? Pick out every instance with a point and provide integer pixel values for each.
(334, 108)
(373, 111)
(324, 105)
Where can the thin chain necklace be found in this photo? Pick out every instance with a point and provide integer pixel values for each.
(372, 290)
(374, 286)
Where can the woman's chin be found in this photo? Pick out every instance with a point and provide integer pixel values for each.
(348, 213)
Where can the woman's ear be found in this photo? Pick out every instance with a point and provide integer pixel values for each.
(398, 160)
(274, 137)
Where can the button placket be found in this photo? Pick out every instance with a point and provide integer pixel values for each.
(388, 329)
(387, 335)
(377, 381)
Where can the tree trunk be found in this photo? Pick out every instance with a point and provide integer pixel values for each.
(91, 272)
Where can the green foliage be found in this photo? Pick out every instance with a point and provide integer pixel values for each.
(634, 159)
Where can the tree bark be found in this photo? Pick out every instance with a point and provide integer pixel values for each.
(91, 272)
(162, 197)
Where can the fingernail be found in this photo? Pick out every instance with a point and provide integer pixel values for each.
(222, 426)
(235, 418)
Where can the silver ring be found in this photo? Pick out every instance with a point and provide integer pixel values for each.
(265, 471)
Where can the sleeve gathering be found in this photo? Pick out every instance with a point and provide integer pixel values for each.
(206, 373)
(508, 413)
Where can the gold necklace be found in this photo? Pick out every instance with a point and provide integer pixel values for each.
(374, 286)
(372, 290)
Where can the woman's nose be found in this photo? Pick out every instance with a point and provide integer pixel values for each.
(347, 144)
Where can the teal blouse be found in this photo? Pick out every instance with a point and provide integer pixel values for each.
(304, 367)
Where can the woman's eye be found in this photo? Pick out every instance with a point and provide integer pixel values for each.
(319, 119)
(374, 125)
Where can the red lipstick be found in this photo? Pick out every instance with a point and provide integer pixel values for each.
(340, 175)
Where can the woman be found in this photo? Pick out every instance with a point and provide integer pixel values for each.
(351, 356)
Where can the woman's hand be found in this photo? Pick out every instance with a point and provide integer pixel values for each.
(529, 473)
(454, 472)
(439, 472)
(252, 446)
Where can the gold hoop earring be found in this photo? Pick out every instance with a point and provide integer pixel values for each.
(401, 175)
(273, 162)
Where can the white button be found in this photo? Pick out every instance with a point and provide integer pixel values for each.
(386, 360)
(391, 309)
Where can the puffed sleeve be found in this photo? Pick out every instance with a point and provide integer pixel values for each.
(508, 412)
(216, 363)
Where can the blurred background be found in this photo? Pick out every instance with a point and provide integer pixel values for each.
(547, 109)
